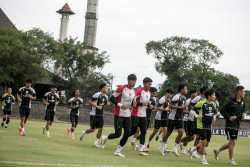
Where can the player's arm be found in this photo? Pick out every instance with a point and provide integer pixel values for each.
(32, 97)
(13, 100)
(161, 104)
(70, 105)
(2, 99)
(18, 96)
(44, 100)
(224, 111)
(94, 105)
(114, 96)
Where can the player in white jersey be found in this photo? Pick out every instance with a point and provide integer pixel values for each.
(161, 118)
(98, 102)
(190, 135)
(123, 99)
(51, 100)
(175, 119)
(139, 115)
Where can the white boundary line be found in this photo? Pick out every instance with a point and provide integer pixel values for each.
(43, 164)
(39, 164)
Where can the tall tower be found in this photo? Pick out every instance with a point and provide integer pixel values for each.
(91, 18)
(65, 12)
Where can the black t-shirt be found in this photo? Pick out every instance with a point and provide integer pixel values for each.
(23, 93)
(101, 100)
(75, 102)
(51, 99)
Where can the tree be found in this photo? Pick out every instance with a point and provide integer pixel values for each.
(189, 61)
(23, 55)
(77, 67)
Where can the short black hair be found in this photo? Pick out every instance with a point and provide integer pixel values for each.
(218, 95)
(170, 90)
(132, 77)
(192, 91)
(209, 92)
(203, 89)
(28, 81)
(239, 88)
(147, 80)
(102, 85)
(153, 89)
(181, 86)
(53, 86)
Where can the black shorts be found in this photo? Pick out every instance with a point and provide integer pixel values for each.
(185, 126)
(49, 115)
(160, 123)
(138, 121)
(232, 134)
(6, 112)
(24, 111)
(74, 118)
(192, 128)
(122, 122)
(205, 134)
(178, 124)
(96, 122)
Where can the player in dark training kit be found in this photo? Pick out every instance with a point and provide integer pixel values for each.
(123, 99)
(51, 100)
(98, 102)
(25, 95)
(175, 119)
(190, 125)
(74, 104)
(232, 111)
(7, 101)
(161, 118)
(207, 111)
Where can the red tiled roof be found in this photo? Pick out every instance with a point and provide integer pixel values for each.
(65, 9)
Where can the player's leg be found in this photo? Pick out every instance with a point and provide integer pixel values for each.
(159, 133)
(99, 126)
(4, 117)
(92, 123)
(126, 124)
(118, 131)
(143, 129)
(8, 119)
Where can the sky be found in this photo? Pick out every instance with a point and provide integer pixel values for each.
(125, 26)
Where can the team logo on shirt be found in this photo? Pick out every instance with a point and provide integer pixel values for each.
(8, 101)
(130, 94)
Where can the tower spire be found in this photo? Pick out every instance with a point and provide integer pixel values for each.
(65, 11)
(91, 18)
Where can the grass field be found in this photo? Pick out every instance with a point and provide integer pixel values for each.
(60, 149)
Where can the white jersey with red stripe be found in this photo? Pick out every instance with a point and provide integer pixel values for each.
(125, 96)
(141, 97)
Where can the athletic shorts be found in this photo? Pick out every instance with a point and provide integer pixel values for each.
(49, 115)
(96, 122)
(160, 123)
(232, 134)
(177, 124)
(122, 122)
(205, 134)
(185, 126)
(6, 112)
(24, 112)
(192, 128)
(74, 118)
(138, 121)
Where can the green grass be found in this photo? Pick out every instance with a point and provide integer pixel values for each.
(60, 149)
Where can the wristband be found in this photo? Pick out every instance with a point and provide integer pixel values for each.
(119, 104)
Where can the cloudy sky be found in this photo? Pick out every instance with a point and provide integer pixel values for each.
(125, 26)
